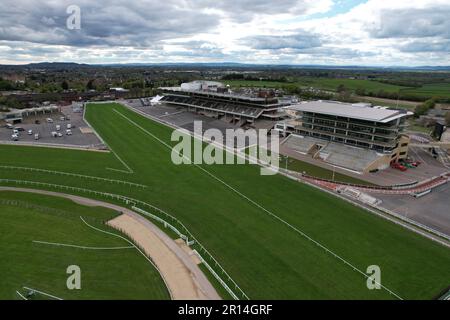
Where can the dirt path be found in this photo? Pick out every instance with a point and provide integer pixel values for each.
(181, 273)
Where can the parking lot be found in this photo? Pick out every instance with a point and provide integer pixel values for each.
(38, 124)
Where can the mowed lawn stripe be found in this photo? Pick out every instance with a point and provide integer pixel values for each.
(266, 258)
(105, 274)
(213, 201)
(300, 205)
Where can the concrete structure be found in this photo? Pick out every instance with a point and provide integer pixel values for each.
(358, 137)
(17, 115)
(215, 100)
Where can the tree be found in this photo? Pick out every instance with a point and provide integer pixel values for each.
(90, 85)
(360, 91)
(423, 108)
(341, 88)
(65, 85)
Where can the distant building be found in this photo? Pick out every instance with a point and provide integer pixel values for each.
(354, 136)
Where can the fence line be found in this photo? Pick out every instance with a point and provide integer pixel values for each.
(189, 243)
(74, 175)
(133, 203)
(188, 235)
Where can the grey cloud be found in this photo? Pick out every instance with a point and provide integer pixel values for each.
(245, 10)
(413, 23)
(112, 23)
(426, 46)
(297, 41)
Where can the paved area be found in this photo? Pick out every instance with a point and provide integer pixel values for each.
(45, 129)
(180, 117)
(429, 168)
(181, 273)
(431, 210)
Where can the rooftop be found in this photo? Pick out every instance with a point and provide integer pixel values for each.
(355, 111)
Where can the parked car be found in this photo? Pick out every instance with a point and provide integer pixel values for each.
(68, 132)
(398, 166)
(49, 120)
(9, 126)
(30, 132)
(36, 136)
(20, 129)
(37, 122)
(14, 137)
(413, 163)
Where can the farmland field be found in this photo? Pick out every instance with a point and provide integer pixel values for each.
(105, 274)
(439, 90)
(258, 227)
(321, 83)
(427, 91)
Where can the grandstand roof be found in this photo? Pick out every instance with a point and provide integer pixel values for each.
(354, 111)
(222, 95)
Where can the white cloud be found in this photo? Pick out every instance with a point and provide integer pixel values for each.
(377, 32)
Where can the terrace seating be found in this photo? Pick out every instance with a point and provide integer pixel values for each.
(349, 157)
(303, 145)
(218, 106)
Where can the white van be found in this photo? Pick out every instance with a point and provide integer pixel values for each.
(69, 126)
(54, 134)
(58, 127)
(36, 136)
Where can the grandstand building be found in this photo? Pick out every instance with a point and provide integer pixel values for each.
(357, 137)
(213, 99)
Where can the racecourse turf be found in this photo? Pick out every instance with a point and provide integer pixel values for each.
(259, 228)
(105, 274)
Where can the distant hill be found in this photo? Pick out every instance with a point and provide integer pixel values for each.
(72, 65)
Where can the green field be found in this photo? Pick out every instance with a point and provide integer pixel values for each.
(259, 228)
(438, 90)
(320, 83)
(105, 274)
(427, 91)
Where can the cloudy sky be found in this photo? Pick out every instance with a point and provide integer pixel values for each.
(338, 32)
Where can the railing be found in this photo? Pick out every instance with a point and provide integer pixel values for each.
(133, 202)
(186, 238)
(75, 175)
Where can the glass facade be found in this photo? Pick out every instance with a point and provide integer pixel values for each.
(367, 134)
